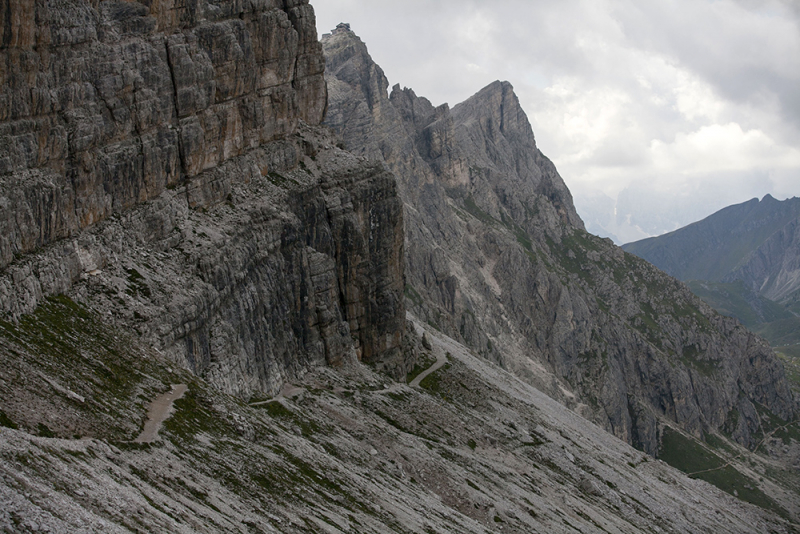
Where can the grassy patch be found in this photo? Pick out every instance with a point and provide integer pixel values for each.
(693, 458)
(790, 356)
(193, 414)
(281, 180)
(690, 358)
(412, 295)
(278, 411)
(433, 382)
(473, 209)
(72, 346)
(686, 454)
(719, 443)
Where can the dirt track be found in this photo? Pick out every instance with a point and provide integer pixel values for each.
(160, 410)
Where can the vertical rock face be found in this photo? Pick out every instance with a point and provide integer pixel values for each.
(161, 163)
(105, 105)
(498, 258)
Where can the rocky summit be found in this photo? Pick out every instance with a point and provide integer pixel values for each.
(218, 315)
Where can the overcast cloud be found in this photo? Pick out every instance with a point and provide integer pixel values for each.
(656, 113)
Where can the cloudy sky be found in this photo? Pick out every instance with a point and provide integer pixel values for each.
(656, 113)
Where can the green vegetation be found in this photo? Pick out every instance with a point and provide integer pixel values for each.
(519, 233)
(690, 358)
(70, 346)
(694, 458)
(790, 356)
(473, 209)
(193, 414)
(281, 180)
(278, 411)
(771, 320)
(412, 295)
(433, 382)
(6, 421)
(781, 332)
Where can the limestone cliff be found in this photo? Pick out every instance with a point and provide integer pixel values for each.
(161, 162)
(498, 258)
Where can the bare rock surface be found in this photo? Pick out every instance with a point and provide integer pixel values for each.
(160, 163)
(497, 257)
(473, 449)
(108, 104)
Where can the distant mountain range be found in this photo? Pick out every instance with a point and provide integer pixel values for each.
(743, 260)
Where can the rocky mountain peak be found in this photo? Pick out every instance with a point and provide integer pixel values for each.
(498, 106)
(498, 258)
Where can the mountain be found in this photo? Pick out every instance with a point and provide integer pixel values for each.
(203, 322)
(497, 258)
(722, 244)
(744, 260)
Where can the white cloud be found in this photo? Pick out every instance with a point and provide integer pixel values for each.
(671, 95)
(720, 148)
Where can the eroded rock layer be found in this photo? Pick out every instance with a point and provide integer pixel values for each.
(106, 105)
(161, 162)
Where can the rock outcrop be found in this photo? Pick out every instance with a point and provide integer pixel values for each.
(161, 162)
(498, 258)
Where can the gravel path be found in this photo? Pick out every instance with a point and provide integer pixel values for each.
(439, 348)
(160, 409)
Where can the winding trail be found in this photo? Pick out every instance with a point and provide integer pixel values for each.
(287, 391)
(160, 410)
(439, 349)
(739, 456)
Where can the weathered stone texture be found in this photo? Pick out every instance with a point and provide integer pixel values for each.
(301, 266)
(106, 104)
(160, 163)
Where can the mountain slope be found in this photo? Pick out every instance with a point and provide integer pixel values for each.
(344, 449)
(175, 219)
(721, 246)
(498, 259)
(755, 245)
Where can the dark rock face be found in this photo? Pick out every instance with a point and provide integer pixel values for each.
(161, 163)
(497, 257)
(103, 107)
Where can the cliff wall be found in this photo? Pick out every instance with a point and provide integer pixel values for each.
(160, 163)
